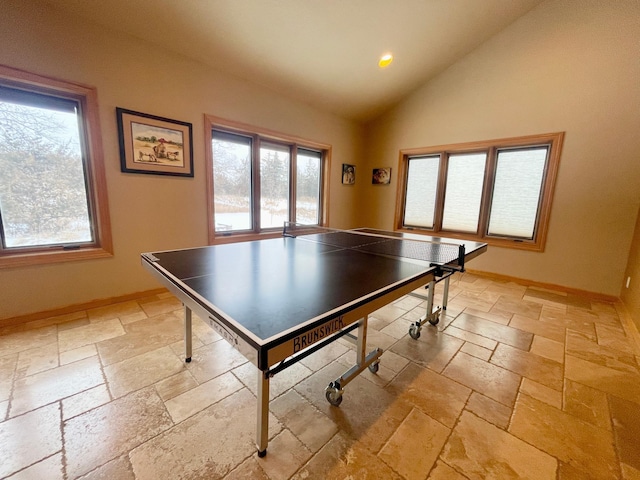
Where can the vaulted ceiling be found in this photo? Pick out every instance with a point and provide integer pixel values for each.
(321, 52)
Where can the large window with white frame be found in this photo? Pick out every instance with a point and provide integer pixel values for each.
(258, 180)
(53, 204)
(497, 191)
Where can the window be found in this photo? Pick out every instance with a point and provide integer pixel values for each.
(497, 191)
(258, 180)
(53, 204)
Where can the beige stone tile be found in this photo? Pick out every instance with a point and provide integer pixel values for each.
(477, 351)
(4, 409)
(521, 307)
(115, 310)
(615, 338)
(482, 451)
(19, 341)
(560, 318)
(324, 356)
(283, 381)
(249, 469)
(344, 458)
(582, 347)
(626, 428)
(433, 349)
(367, 413)
(442, 471)
(134, 317)
(389, 313)
(495, 331)
(286, 455)
(176, 384)
(434, 394)
(84, 401)
(502, 318)
(541, 369)
(541, 392)
(577, 443)
(587, 403)
(408, 302)
(629, 473)
(109, 431)
(118, 469)
(470, 337)
(50, 469)
(63, 321)
(163, 305)
(397, 329)
(393, 361)
(197, 399)
(55, 384)
(141, 337)
(88, 334)
(380, 339)
(304, 420)
(141, 371)
(624, 384)
(489, 410)
(208, 445)
(29, 438)
(465, 301)
(539, 328)
(7, 373)
(214, 359)
(491, 380)
(507, 288)
(381, 378)
(202, 331)
(548, 348)
(36, 360)
(414, 447)
(81, 353)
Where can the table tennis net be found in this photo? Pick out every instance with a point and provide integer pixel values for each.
(432, 252)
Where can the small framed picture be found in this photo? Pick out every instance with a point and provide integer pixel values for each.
(155, 145)
(381, 176)
(348, 174)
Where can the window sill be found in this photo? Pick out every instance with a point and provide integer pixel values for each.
(244, 237)
(492, 241)
(13, 260)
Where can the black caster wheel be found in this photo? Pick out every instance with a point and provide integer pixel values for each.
(414, 332)
(333, 394)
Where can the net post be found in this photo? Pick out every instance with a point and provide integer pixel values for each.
(461, 257)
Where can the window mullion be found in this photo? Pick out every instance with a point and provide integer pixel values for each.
(255, 184)
(293, 175)
(442, 188)
(487, 191)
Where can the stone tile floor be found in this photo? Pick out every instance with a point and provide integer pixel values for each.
(515, 382)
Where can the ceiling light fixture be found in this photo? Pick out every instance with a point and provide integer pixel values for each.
(385, 60)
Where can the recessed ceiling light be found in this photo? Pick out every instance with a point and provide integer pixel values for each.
(385, 60)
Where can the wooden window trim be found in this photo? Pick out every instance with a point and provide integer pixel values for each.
(97, 187)
(554, 140)
(212, 122)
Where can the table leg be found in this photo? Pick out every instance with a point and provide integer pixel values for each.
(187, 334)
(446, 292)
(262, 437)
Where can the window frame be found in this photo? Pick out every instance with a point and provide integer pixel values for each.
(554, 142)
(258, 136)
(98, 205)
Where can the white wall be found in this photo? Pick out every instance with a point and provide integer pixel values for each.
(148, 212)
(571, 66)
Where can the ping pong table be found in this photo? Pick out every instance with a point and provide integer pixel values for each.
(279, 300)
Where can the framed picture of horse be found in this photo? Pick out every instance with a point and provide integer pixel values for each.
(155, 145)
